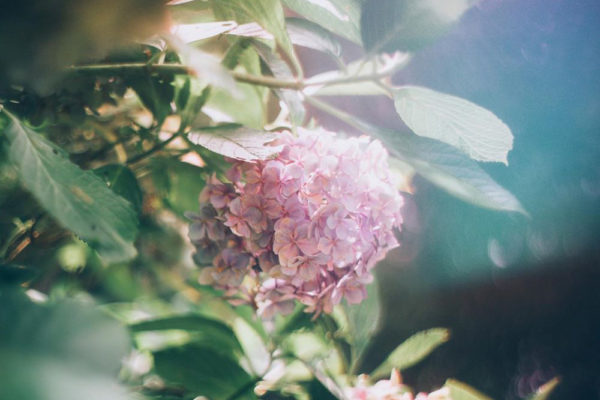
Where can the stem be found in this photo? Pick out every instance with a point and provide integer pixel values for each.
(260, 80)
(267, 81)
(153, 150)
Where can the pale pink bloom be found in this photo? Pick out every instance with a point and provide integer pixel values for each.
(236, 219)
(308, 225)
(217, 193)
(291, 240)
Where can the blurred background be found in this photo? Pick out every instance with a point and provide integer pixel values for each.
(520, 295)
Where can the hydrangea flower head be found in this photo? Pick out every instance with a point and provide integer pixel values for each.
(308, 225)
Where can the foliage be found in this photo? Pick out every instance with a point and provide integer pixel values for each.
(106, 151)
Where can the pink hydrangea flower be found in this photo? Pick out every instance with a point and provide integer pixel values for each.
(308, 225)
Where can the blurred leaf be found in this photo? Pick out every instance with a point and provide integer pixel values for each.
(379, 68)
(407, 25)
(412, 350)
(63, 351)
(123, 182)
(201, 30)
(178, 183)
(248, 106)
(13, 274)
(316, 390)
(191, 95)
(279, 69)
(254, 348)
(458, 122)
(439, 163)
(451, 170)
(267, 13)
(191, 12)
(363, 322)
(308, 34)
(461, 391)
(298, 319)
(544, 391)
(339, 16)
(202, 371)
(78, 199)
(204, 66)
(207, 331)
(236, 141)
(155, 93)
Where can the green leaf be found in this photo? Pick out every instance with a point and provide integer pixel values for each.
(191, 95)
(458, 122)
(208, 331)
(63, 351)
(77, 199)
(451, 170)
(359, 78)
(544, 391)
(341, 17)
(363, 322)
(412, 350)
(407, 25)
(123, 182)
(201, 370)
(255, 349)
(206, 67)
(279, 69)
(178, 183)
(248, 105)
(267, 13)
(202, 30)
(308, 34)
(439, 163)
(191, 12)
(236, 141)
(461, 391)
(155, 93)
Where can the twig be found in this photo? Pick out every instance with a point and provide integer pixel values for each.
(153, 150)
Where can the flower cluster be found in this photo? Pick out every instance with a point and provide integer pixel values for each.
(390, 389)
(308, 225)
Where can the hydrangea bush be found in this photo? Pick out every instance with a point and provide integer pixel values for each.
(104, 156)
(307, 225)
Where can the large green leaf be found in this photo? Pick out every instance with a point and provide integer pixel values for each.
(363, 322)
(236, 141)
(78, 199)
(451, 170)
(461, 391)
(438, 162)
(202, 371)
(407, 25)
(63, 351)
(339, 16)
(207, 331)
(458, 122)
(178, 183)
(247, 106)
(412, 350)
(267, 13)
(123, 182)
(279, 69)
(308, 34)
